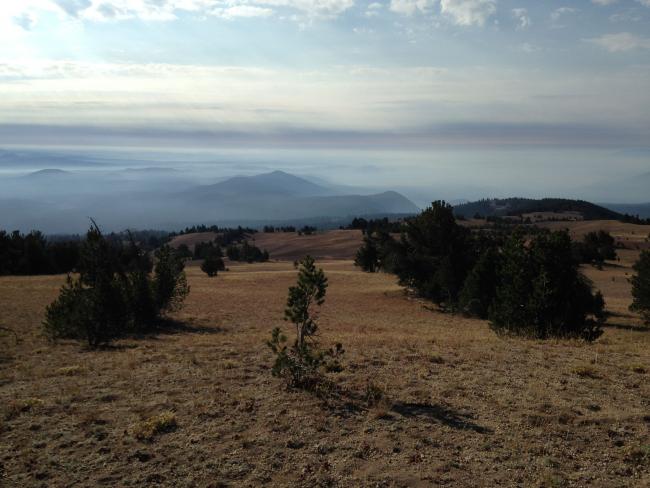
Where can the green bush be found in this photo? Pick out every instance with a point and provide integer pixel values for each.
(301, 365)
(212, 264)
(247, 253)
(169, 284)
(541, 292)
(641, 286)
(595, 248)
(110, 298)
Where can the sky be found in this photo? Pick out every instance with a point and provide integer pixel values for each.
(428, 76)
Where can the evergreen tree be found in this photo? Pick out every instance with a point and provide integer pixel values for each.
(480, 287)
(434, 254)
(641, 286)
(595, 248)
(93, 307)
(541, 292)
(114, 293)
(169, 281)
(308, 293)
(212, 264)
(367, 257)
(300, 365)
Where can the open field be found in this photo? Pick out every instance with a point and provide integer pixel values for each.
(343, 244)
(289, 246)
(630, 236)
(464, 407)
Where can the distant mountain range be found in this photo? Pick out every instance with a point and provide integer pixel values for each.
(516, 206)
(640, 209)
(58, 201)
(282, 196)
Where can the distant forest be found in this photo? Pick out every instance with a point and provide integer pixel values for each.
(517, 207)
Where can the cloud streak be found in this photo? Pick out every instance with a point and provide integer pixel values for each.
(349, 100)
(621, 42)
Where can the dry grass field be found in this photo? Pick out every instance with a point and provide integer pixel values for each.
(631, 236)
(289, 246)
(197, 406)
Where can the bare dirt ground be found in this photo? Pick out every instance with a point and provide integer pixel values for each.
(464, 407)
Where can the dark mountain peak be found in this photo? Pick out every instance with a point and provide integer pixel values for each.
(275, 183)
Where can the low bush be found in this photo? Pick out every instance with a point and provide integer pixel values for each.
(641, 286)
(212, 264)
(109, 299)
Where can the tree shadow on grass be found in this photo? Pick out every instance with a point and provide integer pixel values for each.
(633, 328)
(170, 326)
(162, 327)
(439, 413)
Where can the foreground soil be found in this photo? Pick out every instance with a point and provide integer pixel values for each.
(462, 406)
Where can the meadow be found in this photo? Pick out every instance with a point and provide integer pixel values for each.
(427, 398)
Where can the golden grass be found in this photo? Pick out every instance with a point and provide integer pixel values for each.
(459, 407)
(148, 429)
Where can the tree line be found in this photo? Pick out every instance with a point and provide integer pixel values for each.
(524, 284)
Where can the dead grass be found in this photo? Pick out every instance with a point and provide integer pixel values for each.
(148, 429)
(460, 406)
(70, 370)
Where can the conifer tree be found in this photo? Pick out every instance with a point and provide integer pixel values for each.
(641, 286)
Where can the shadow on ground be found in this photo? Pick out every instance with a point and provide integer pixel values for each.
(633, 328)
(439, 413)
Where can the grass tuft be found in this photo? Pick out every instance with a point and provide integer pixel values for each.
(18, 407)
(148, 429)
(70, 371)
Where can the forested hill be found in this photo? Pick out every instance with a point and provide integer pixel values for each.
(518, 206)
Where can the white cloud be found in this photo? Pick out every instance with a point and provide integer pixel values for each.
(621, 42)
(627, 16)
(522, 17)
(373, 9)
(242, 11)
(558, 13)
(604, 2)
(410, 7)
(341, 98)
(468, 12)
(644, 2)
(166, 10)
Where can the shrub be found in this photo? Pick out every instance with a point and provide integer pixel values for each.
(246, 252)
(641, 286)
(170, 286)
(367, 257)
(107, 300)
(212, 264)
(595, 248)
(541, 292)
(301, 364)
(93, 307)
(378, 252)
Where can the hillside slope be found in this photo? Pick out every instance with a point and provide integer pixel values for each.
(517, 206)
